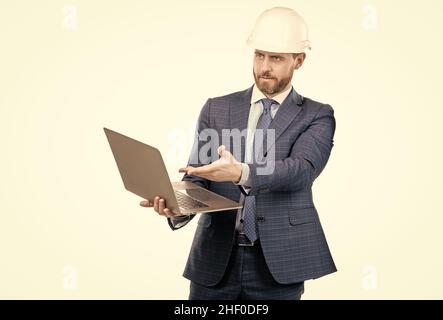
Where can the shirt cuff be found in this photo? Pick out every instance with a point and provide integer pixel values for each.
(245, 179)
(179, 221)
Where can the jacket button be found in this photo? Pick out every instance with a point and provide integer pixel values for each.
(260, 219)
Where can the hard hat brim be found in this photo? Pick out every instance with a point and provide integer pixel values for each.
(299, 48)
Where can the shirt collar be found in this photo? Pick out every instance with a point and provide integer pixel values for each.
(258, 95)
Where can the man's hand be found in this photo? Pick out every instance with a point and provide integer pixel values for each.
(159, 205)
(227, 168)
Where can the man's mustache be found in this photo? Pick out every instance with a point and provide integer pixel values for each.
(267, 76)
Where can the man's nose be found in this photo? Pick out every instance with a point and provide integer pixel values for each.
(266, 66)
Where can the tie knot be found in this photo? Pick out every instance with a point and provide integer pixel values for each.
(267, 103)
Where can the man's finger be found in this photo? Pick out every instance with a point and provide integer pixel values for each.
(156, 204)
(202, 170)
(199, 170)
(186, 169)
(161, 206)
(221, 149)
(170, 213)
(146, 203)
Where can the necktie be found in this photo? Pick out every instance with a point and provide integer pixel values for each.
(263, 123)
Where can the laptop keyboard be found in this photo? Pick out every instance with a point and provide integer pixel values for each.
(187, 202)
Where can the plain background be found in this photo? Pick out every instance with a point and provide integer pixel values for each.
(69, 230)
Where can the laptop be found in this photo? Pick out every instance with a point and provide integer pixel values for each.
(144, 173)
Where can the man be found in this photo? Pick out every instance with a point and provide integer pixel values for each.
(267, 249)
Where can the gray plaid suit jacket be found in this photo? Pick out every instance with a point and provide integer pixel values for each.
(291, 235)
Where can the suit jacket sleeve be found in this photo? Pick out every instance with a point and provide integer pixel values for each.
(195, 161)
(308, 157)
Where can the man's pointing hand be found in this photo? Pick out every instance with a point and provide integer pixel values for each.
(227, 168)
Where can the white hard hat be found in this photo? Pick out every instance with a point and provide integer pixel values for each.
(280, 30)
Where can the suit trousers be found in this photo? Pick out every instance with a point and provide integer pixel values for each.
(247, 277)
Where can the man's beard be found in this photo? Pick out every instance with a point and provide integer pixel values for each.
(272, 87)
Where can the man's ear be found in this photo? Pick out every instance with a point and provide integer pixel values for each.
(299, 60)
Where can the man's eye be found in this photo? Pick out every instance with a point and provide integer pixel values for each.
(277, 58)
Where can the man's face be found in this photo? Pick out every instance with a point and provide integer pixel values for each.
(273, 71)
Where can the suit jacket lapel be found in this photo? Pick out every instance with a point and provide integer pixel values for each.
(239, 115)
(286, 113)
